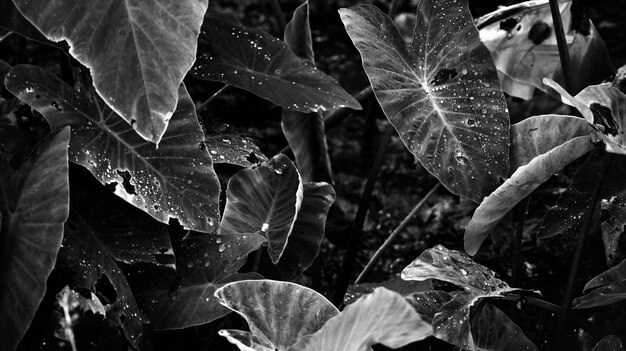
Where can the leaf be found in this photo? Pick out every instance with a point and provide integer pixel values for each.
(522, 42)
(233, 149)
(253, 60)
(397, 284)
(307, 234)
(138, 52)
(521, 184)
(11, 19)
(175, 180)
(604, 107)
(34, 204)
(427, 303)
(299, 311)
(609, 343)
(610, 276)
(607, 288)
(205, 263)
(383, 317)
(264, 200)
(613, 222)
(493, 330)
(305, 132)
(538, 135)
(441, 93)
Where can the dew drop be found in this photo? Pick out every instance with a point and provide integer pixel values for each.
(221, 248)
(265, 227)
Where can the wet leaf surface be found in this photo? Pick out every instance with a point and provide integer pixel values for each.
(613, 221)
(402, 287)
(127, 45)
(233, 149)
(34, 204)
(264, 200)
(428, 303)
(441, 93)
(253, 60)
(175, 180)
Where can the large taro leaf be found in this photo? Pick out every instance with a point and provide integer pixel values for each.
(34, 204)
(441, 93)
(307, 234)
(305, 132)
(458, 321)
(175, 180)
(204, 264)
(383, 317)
(137, 51)
(607, 288)
(397, 284)
(521, 184)
(613, 223)
(264, 200)
(537, 135)
(278, 313)
(233, 149)
(566, 216)
(251, 59)
(428, 303)
(604, 107)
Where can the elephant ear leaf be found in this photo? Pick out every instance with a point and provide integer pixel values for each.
(441, 93)
(34, 204)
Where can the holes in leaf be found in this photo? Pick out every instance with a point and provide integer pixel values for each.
(126, 182)
(603, 119)
(508, 24)
(56, 105)
(539, 32)
(111, 186)
(252, 158)
(442, 76)
(202, 146)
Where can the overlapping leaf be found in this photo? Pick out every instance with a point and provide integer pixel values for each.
(278, 313)
(459, 321)
(607, 288)
(613, 222)
(175, 180)
(264, 200)
(523, 182)
(402, 287)
(138, 52)
(34, 204)
(11, 19)
(233, 149)
(251, 59)
(441, 93)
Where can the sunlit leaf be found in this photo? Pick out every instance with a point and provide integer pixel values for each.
(175, 180)
(441, 93)
(537, 135)
(264, 200)
(34, 204)
(278, 313)
(521, 184)
(233, 149)
(613, 223)
(609, 343)
(70, 303)
(428, 303)
(251, 59)
(138, 52)
(402, 287)
(522, 42)
(383, 317)
(604, 107)
(607, 288)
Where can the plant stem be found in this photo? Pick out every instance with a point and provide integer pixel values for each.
(359, 219)
(566, 63)
(278, 13)
(395, 233)
(517, 244)
(571, 280)
(208, 101)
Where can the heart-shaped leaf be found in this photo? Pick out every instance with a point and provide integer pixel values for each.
(278, 313)
(382, 317)
(441, 93)
(253, 60)
(613, 222)
(175, 180)
(264, 200)
(138, 52)
(523, 182)
(34, 204)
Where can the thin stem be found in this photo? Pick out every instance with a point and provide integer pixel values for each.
(566, 62)
(359, 219)
(571, 280)
(208, 101)
(395, 233)
(278, 13)
(517, 244)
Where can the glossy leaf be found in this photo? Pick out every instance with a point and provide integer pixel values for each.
(609, 343)
(278, 313)
(11, 19)
(264, 200)
(441, 93)
(397, 284)
(138, 52)
(233, 149)
(613, 222)
(307, 234)
(607, 288)
(493, 330)
(34, 204)
(253, 60)
(298, 33)
(521, 184)
(428, 303)
(205, 263)
(537, 135)
(175, 180)
(383, 317)
(604, 107)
